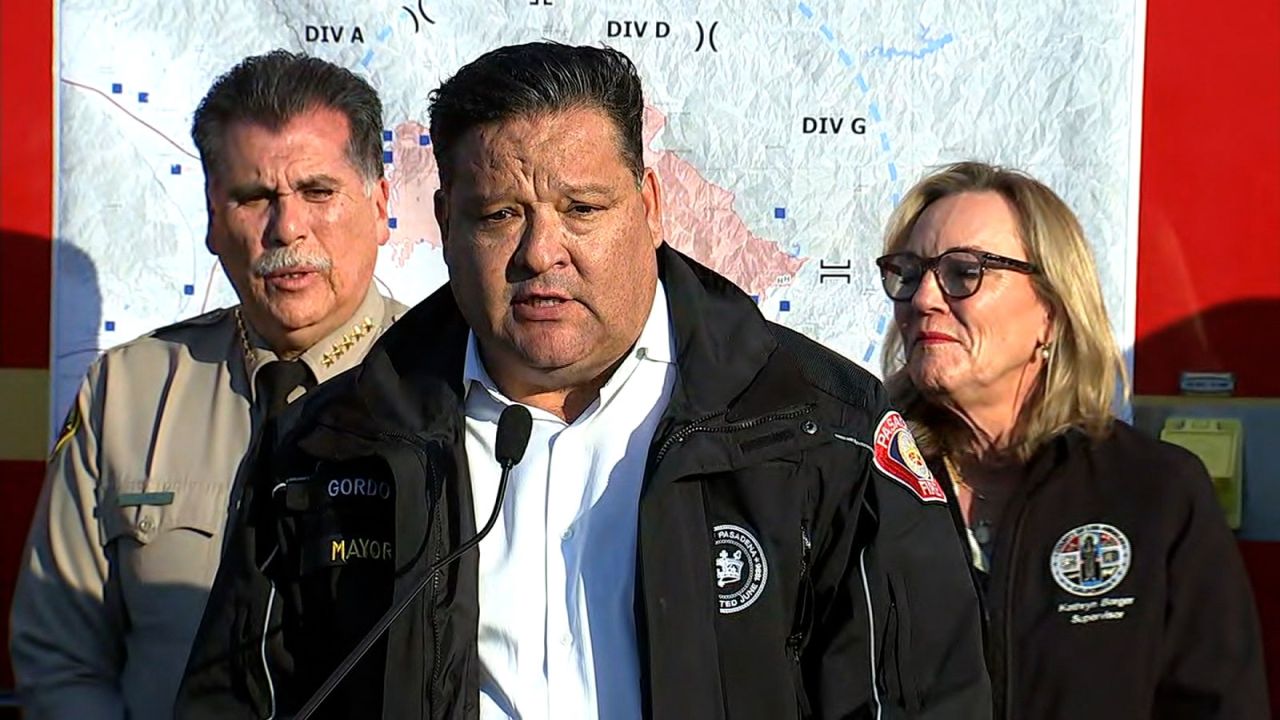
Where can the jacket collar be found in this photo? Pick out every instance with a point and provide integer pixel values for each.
(722, 341)
(429, 343)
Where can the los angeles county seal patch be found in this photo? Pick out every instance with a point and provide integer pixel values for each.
(741, 568)
(1090, 560)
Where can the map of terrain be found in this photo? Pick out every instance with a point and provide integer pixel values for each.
(783, 134)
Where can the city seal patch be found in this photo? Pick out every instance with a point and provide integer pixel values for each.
(741, 568)
(1090, 560)
(896, 455)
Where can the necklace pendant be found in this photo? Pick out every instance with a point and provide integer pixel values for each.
(982, 532)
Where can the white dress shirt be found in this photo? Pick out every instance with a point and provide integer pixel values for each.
(557, 635)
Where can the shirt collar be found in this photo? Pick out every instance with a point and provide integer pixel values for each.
(654, 344)
(335, 352)
(473, 370)
(656, 341)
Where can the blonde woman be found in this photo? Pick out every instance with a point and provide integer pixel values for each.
(1112, 586)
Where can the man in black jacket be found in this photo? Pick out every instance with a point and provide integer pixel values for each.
(715, 517)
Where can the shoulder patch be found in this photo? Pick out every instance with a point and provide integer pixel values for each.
(896, 455)
(69, 428)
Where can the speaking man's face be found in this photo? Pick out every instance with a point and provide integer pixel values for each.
(550, 246)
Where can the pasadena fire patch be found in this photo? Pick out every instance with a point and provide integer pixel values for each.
(897, 456)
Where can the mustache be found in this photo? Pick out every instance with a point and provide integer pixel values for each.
(541, 285)
(283, 258)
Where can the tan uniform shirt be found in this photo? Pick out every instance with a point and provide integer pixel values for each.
(128, 531)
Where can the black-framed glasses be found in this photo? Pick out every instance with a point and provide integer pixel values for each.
(958, 271)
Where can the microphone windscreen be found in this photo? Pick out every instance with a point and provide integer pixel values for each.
(514, 426)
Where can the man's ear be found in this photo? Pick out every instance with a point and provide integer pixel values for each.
(381, 192)
(651, 196)
(441, 201)
(208, 228)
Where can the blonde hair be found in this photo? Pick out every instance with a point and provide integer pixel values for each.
(1078, 384)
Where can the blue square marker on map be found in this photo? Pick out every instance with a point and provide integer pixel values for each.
(188, 289)
(110, 325)
(143, 97)
(780, 213)
(175, 169)
(116, 88)
(391, 223)
(424, 140)
(386, 135)
(785, 306)
(386, 156)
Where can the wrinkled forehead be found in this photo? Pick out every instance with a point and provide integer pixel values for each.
(971, 220)
(318, 137)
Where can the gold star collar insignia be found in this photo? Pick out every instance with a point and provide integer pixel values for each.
(347, 341)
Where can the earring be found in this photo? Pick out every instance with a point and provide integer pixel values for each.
(1045, 350)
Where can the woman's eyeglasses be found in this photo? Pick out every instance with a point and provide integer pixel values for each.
(958, 272)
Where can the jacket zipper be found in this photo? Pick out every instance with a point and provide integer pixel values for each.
(436, 528)
(796, 642)
(700, 425)
(1037, 475)
(798, 637)
(430, 607)
(806, 545)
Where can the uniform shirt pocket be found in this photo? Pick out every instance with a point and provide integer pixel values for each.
(163, 541)
(164, 531)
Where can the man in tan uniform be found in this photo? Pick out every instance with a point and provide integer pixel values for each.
(128, 532)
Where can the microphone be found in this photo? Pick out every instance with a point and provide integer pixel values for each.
(514, 427)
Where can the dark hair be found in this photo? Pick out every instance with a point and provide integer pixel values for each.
(541, 77)
(272, 89)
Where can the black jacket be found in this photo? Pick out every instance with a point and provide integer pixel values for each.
(1117, 592)
(850, 592)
